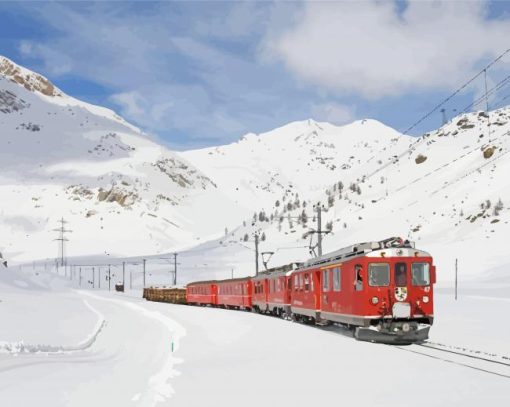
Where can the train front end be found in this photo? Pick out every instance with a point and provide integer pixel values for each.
(398, 295)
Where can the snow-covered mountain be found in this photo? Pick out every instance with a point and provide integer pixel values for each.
(448, 190)
(304, 157)
(124, 194)
(120, 192)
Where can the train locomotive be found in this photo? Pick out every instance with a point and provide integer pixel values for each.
(381, 290)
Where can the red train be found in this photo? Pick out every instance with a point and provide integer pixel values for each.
(382, 290)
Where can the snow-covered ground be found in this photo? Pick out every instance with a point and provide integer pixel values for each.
(96, 347)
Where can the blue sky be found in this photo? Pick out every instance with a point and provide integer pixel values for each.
(204, 73)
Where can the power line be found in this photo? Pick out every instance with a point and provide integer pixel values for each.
(484, 98)
(456, 92)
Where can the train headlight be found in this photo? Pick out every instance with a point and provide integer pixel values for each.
(374, 300)
(405, 327)
(425, 299)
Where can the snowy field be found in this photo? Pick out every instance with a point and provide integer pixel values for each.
(65, 347)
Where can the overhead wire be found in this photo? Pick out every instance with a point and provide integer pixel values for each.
(456, 92)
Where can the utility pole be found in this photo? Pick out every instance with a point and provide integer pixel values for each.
(256, 254)
(456, 284)
(319, 231)
(175, 269)
(144, 260)
(109, 278)
(487, 105)
(62, 231)
(443, 112)
(123, 273)
(93, 278)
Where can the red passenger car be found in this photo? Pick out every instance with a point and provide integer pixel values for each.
(202, 293)
(235, 293)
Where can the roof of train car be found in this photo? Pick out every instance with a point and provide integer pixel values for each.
(392, 247)
(228, 280)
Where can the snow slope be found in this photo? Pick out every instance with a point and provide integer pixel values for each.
(154, 354)
(119, 191)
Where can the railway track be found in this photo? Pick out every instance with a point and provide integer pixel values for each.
(486, 362)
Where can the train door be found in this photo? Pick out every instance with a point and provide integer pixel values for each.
(214, 294)
(309, 291)
(317, 289)
(326, 300)
(401, 307)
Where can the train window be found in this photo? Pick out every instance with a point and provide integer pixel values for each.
(279, 285)
(337, 286)
(379, 274)
(301, 282)
(325, 280)
(420, 274)
(307, 282)
(296, 282)
(290, 283)
(400, 274)
(358, 277)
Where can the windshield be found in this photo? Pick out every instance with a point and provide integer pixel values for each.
(379, 274)
(420, 274)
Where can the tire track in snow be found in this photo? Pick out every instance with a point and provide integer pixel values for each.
(158, 385)
(20, 347)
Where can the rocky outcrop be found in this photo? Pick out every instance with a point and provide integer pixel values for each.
(420, 159)
(29, 80)
(9, 102)
(123, 198)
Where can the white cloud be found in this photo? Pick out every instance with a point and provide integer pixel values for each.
(333, 113)
(130, 102)
(374, 49)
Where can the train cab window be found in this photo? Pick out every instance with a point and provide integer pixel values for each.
(307, 282)
(337, 285)
(358, 277)
(296, 282)
(420, 274)
(400, 274)
(325, 280)
(379, 274)
(290, 284)
(301, 282)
